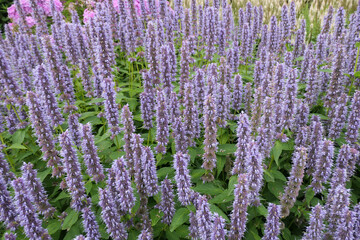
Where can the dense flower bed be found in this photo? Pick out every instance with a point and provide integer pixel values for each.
(142, 121)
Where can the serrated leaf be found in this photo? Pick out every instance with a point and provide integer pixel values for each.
(278, 175)
(70, 220)
(155, 216)
(88, 186)
(276, 151)
(53, 226)
(181, 216)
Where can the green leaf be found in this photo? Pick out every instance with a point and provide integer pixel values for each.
(70, 219)
(299, 58)
(357, 74)
(278, 175)
(262, 210)
(53, 226)
(276, 188)
(357, 44)
(309, 195)
(268, 177)
(88, 186)
(325, 70)
(181, 216)
(16, 146)
(223, 197)
(208, 188)
(233, 180)
(42, 175)
(221, 160)
(217, 210)
(18, 137)
(225, 149)
(96, 100)
(276, 151)
(155, 216)
(166, 171)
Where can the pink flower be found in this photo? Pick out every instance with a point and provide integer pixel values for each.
(88, 14)
(30, 21)
(12, 12)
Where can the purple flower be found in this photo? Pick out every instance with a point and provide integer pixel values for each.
(182, 177)
(301, 116)
(167, 205)
(210, 141)
(43, 133)
(122, 183)
(243, 138)
(335, 86)
(315, 139)
(240, 205)
(316, 227)
(10, 236)
(335, 205)
(210, 31)
(109, 214)
(166, 75)
(218, 232)
(191, 115)
(352, 133)
(237, 94)
(47, 96)
(323, 164)
(147, 101)
(152, 52)
(91, 158)
(74, 128)
(72, 168)
(181, 142)
(254, 170)
(223, 105)
(345, 229)
(184, 67)
(36, 191)
(199, 83)
(273, 37)
(295, 179)
(347, 159)
(111, 108)
(90, 225)
(339, 28)
(193, 228)
(26, 213)
(162, 122)
(148, 172)
(339, 119)
(128, 129)
(203, 218)
(8, 214)
(272, 226)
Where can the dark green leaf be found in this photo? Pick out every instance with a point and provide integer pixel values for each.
(181, 216)
(17, 146)
(70, 219)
